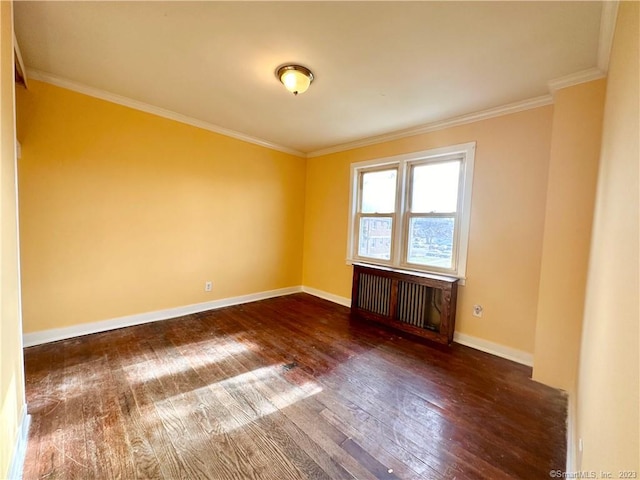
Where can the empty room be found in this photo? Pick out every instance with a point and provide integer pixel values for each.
(319, 240)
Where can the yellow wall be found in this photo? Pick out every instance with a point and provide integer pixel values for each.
(507, 217)
(573, 170)
(608, 386)
(123, 212)
(11, 371)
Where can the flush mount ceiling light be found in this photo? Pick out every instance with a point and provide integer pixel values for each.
(295, 78)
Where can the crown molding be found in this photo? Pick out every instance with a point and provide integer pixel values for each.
(575, 78)
(553, 85)
(152, 109)
(440, 125)
(145, 107)
(607, 28)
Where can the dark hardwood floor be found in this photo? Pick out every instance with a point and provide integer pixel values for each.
(286, 388)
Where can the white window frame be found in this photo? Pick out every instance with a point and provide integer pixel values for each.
(399, 244)
(395, 216)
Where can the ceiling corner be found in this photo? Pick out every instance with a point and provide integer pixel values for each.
(607, 28)
(582, 76)
(20, 70)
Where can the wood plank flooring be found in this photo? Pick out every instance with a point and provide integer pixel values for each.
(286, 388)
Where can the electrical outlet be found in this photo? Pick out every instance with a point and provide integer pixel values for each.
(208, 286)
(477, 310)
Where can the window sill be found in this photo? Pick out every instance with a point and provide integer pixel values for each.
(425, 273)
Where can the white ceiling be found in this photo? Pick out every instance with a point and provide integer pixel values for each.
(379, 66)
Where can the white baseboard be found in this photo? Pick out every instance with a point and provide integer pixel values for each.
(344, 301)
(486, 346)
(513, 354)
(20, 448)
(55, 334)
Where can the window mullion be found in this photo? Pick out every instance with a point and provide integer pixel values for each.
(399, 223)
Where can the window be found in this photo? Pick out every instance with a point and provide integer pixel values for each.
(412, 211)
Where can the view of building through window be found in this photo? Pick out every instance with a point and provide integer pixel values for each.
(375, 237)
(378, 197)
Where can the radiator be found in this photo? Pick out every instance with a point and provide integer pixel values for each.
(421, 304)
(374, 294)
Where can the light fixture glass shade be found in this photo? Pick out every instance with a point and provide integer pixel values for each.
(295, 78)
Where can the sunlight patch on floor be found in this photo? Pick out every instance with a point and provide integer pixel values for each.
(242, 399)
(147, 371)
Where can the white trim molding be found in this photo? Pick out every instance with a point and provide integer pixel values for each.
(513, 354)
(20, 449)
(439, 125)
(606, 34)
(463, 153)
(344, 301)
(574, 454)
(607, 28)
(608, 19)
(19, 62)
(55, 334)
(152, 109)
(575, 78)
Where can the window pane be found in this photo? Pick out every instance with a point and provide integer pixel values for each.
(435, 187)
(431, 241)
(375, 237)
(379, 191)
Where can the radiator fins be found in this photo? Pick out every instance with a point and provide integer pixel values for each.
(418, 305)
(374, 294)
